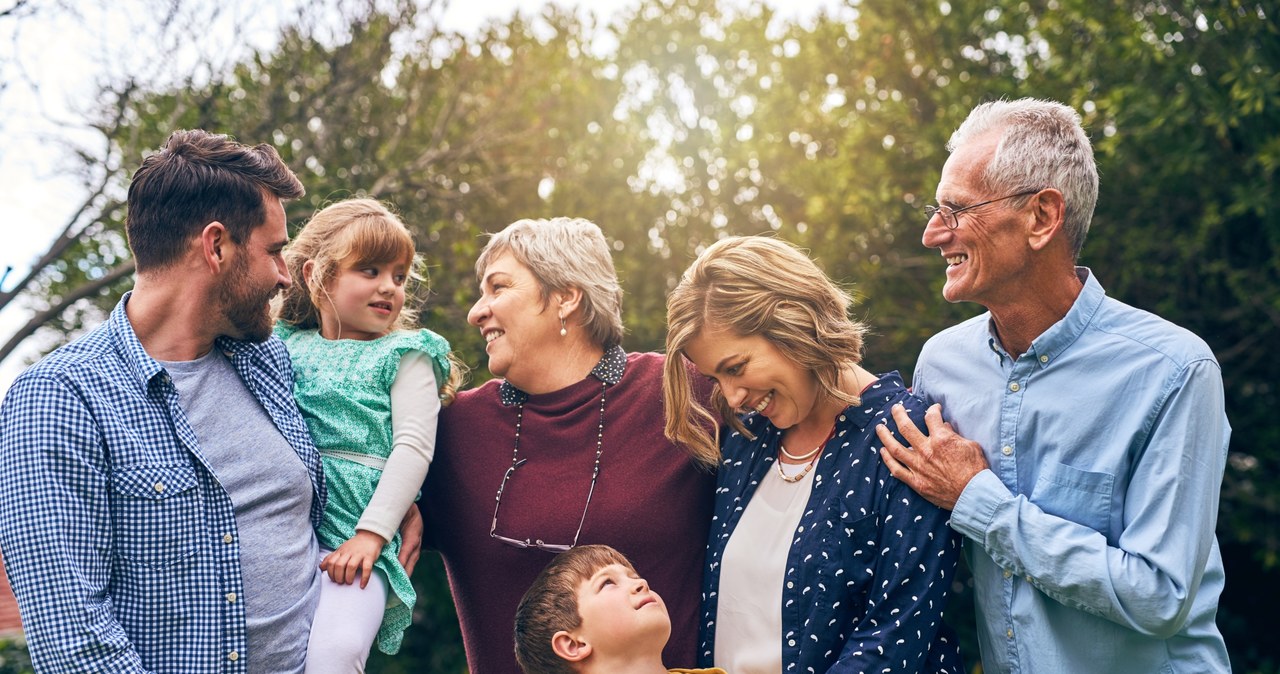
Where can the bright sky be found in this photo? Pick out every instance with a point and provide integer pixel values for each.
(55, 52)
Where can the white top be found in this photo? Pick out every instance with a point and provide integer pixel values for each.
(415, 406)
(749, 615)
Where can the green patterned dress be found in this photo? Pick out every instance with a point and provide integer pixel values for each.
(343, 388)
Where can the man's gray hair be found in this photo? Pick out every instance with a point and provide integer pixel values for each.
(564, 253)
(1042, 145)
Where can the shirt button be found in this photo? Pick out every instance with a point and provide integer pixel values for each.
(159, 487)
(233, 656)
(1008, 573)
(226, 538)
(790, 585)
(231, 597)
(791, 642)
(1028, 578)
(1009, 634)
(1006, 450)
(1014, 387)
(1044, 359)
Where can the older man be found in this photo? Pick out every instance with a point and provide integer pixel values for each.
(1087, 439)
(158, 488)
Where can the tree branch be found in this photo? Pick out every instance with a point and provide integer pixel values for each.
(70, 232)
(17, 7)
(70, 235)
(118, 272)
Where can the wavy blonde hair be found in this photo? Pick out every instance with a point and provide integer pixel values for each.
(345, 235)
(754, 286)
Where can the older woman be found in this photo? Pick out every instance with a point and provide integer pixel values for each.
(566, 448)
(818, 560)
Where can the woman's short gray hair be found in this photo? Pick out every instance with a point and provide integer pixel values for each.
(1042, 145)
(564, 253)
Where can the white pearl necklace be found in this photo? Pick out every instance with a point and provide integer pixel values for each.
(801, 457)
(812, 456)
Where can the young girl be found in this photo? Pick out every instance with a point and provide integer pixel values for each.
(370, 389)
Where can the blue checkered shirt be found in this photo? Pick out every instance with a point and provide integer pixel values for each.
(119, 541)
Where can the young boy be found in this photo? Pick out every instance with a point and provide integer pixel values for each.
(590, 612)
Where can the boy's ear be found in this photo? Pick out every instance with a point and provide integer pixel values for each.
(568, 647)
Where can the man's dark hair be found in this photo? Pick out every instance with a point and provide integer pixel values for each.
(197, 178)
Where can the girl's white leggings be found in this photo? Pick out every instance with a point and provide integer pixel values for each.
(346, 622)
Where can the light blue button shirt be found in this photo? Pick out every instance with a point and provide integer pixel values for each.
(1091, 537)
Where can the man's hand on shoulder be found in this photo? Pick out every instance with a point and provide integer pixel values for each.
(937, 466)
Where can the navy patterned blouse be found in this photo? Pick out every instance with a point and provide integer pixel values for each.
(870, 563)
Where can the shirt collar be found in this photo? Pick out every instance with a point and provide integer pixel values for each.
(609, 370)
(140, 363)
(1046, 348)
(872, 401)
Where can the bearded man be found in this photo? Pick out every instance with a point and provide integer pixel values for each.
(158, 487)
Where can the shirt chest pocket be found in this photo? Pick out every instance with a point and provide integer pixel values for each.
(1082, 496)
(155, 514)
(848, 550)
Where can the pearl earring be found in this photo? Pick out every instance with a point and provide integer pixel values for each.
(563, 331)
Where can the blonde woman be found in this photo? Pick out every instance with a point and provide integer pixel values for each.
(818, 560)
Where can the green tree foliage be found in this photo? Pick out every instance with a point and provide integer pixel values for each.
(682, 121)
(13, 656)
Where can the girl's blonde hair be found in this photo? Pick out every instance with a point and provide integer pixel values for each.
(754, 286)
(345, 235)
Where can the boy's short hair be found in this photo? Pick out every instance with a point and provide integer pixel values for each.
(551, 605)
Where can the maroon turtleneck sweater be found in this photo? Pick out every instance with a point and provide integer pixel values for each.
(650, 502)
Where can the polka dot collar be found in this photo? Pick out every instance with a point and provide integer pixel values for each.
(609, 370)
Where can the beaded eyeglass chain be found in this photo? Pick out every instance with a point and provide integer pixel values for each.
(516, 462)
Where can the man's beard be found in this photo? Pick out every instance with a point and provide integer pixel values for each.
(247, 309)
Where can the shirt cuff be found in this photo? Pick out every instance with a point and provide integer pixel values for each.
(373, 526)
(977, 505)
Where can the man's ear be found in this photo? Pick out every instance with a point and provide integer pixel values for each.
(565, 301)
(1049, 210)
(214, 243)
(568, 647)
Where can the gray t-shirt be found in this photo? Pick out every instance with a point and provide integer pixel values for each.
(271, 491)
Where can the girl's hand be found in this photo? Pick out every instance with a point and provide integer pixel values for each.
(355, 557)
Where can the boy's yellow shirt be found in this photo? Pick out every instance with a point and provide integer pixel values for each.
(712, 670)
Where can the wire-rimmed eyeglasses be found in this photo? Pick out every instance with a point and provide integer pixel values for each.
(516, 462)
(537, 542)
(949, 214)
